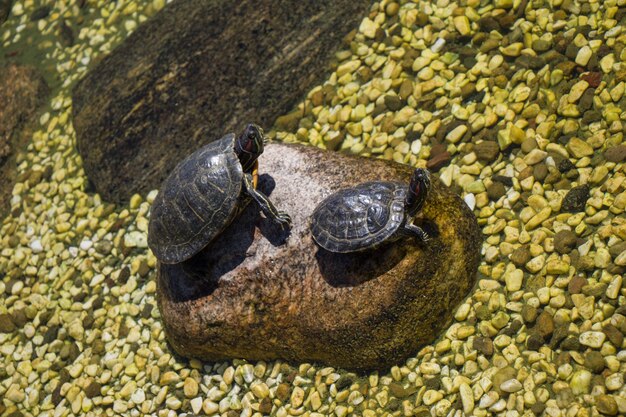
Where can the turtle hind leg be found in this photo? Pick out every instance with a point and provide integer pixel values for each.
(280, 217)
(416, 231)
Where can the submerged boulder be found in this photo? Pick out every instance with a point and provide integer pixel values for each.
(197, 67)
(252, 295)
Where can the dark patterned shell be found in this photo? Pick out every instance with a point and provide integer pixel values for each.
(196, 202)
(359, 218)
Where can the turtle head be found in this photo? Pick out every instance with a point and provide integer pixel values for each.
(249, 145)
(418, 191)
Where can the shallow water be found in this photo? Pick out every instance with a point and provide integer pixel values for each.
(541, 333)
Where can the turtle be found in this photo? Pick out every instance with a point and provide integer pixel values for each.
(363, 217)
(205, 192)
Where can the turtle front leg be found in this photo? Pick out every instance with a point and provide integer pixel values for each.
(418, 232)
(280, 217)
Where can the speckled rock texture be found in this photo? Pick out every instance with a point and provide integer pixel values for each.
(250, 295)
(198, 67)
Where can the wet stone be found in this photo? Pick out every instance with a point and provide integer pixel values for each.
(487, 151)
(571, 343)
(606, 405)
(616, 154)
(507, 181)
(488, 23)
(565, 241)
(597, 289)
(617, 249)
(344, 381)
(534, 342)
(56, 395)
(93, 389)
(393, 102)
(544, 325)
(40, 13)
(433, 383)
(559, 334)
(483, 345)
(594, 361)
(265, 406)
(6, 324)
(593, 78)
(614, 335)
(529, 313)
(438, 161)
(19, 318)
(283, 391)
(540, 172)
(540, 45)
(575, 199)
(520, 256)
(505, 374)
(576, 284)
(586, 100)
(565, 397)
(495, 191)
(483, 313)
(565, 165)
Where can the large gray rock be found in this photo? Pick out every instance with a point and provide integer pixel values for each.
(197, 70)
(248, 295)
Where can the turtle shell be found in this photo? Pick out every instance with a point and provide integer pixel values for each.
(196, 202)
(359, 218)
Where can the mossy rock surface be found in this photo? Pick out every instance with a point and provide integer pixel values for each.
(249, 295)
(198, 70)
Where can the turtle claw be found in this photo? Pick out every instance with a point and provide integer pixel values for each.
(283, 219)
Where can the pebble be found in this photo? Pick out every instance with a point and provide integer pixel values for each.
(580, 382)
(594, 361)
(606, 404)
(512, 385)
(583, 56)
(36, 246)
(190, 387)
(565, 241)
(467, 398)
(431, 397)
(579, 148)
(6, 324)
(616, 154)
(592, 339)
(576, 199)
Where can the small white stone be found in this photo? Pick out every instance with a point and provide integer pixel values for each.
(512, 385)
(614, 382)
(470, 200)
(368, 28)
(514, 280)
(431, 396)
(583, 56)
(456, 134)
(36, 246)
(488, 399)
(438, 45)
(592, 339)
(467, 398)
(86, 244)
(136, 239)
(196, 405)
(614, 288)
(138, 397)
